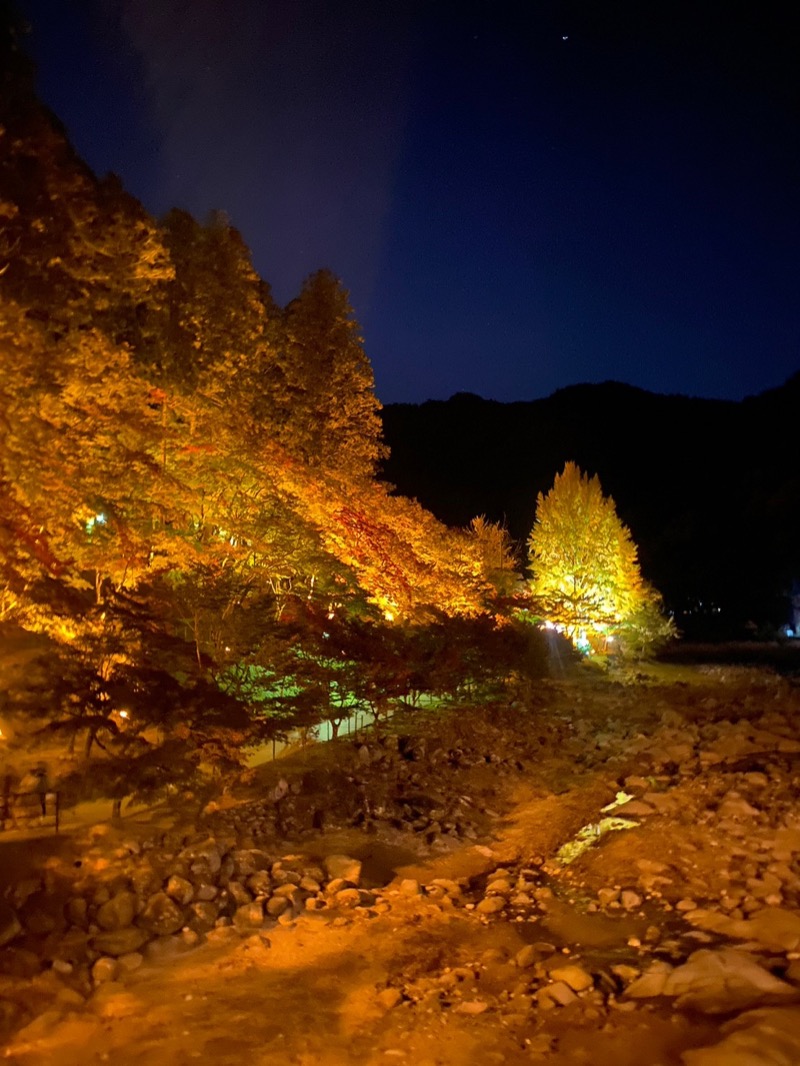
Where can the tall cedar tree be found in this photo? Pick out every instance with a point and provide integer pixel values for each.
(330, 414)
(219, 309)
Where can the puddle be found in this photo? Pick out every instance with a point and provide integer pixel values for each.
(568, 925)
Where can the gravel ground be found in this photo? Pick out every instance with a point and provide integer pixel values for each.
(606, 873)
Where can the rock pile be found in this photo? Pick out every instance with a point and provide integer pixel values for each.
(69, 936)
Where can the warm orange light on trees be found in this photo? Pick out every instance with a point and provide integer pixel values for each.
(586, 579)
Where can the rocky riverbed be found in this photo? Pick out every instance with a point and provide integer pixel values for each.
(603, 873)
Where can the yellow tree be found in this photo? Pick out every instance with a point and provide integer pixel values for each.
(586, 578)
(498, 555)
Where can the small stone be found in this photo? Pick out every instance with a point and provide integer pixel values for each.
(471, 1006)
(260, 883)
(630, 900)
(491, 905)
(162, 915)
(686, 905)
(238, 893)
(179, 889)
(574, 976)
(409, 887)
(607, 896)
(130, 962)
(521, 899)
(249, 917)
(499, 887)
(77, 911)
(119, 942)
(276, 905)
(104, 969)
(390, 997)
(205, 854)
(452, 888)
(202, 916)
(347, 897)
(289, 891)
(343, 866)
(526, 956)
(557, 993)
(69, 998)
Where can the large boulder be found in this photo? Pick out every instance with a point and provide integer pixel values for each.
(766, 1037)
(725, 980)
(774, 927)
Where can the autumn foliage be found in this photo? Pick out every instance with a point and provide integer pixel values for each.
(586, 579)
(188, 490)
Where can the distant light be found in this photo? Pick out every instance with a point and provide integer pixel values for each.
(123, 714)
(97, 520)
(388, 616)
(564, 36)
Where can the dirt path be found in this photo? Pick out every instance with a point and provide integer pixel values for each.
(438, 976)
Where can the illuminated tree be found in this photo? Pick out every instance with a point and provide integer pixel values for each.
(218, 308)
(327, 410)
(586, 578)
(497, 554)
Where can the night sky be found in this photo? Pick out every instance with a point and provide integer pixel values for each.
(517, 196)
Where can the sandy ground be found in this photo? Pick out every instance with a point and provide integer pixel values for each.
(420, 981)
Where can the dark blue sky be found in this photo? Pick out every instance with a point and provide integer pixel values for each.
(518, 196)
